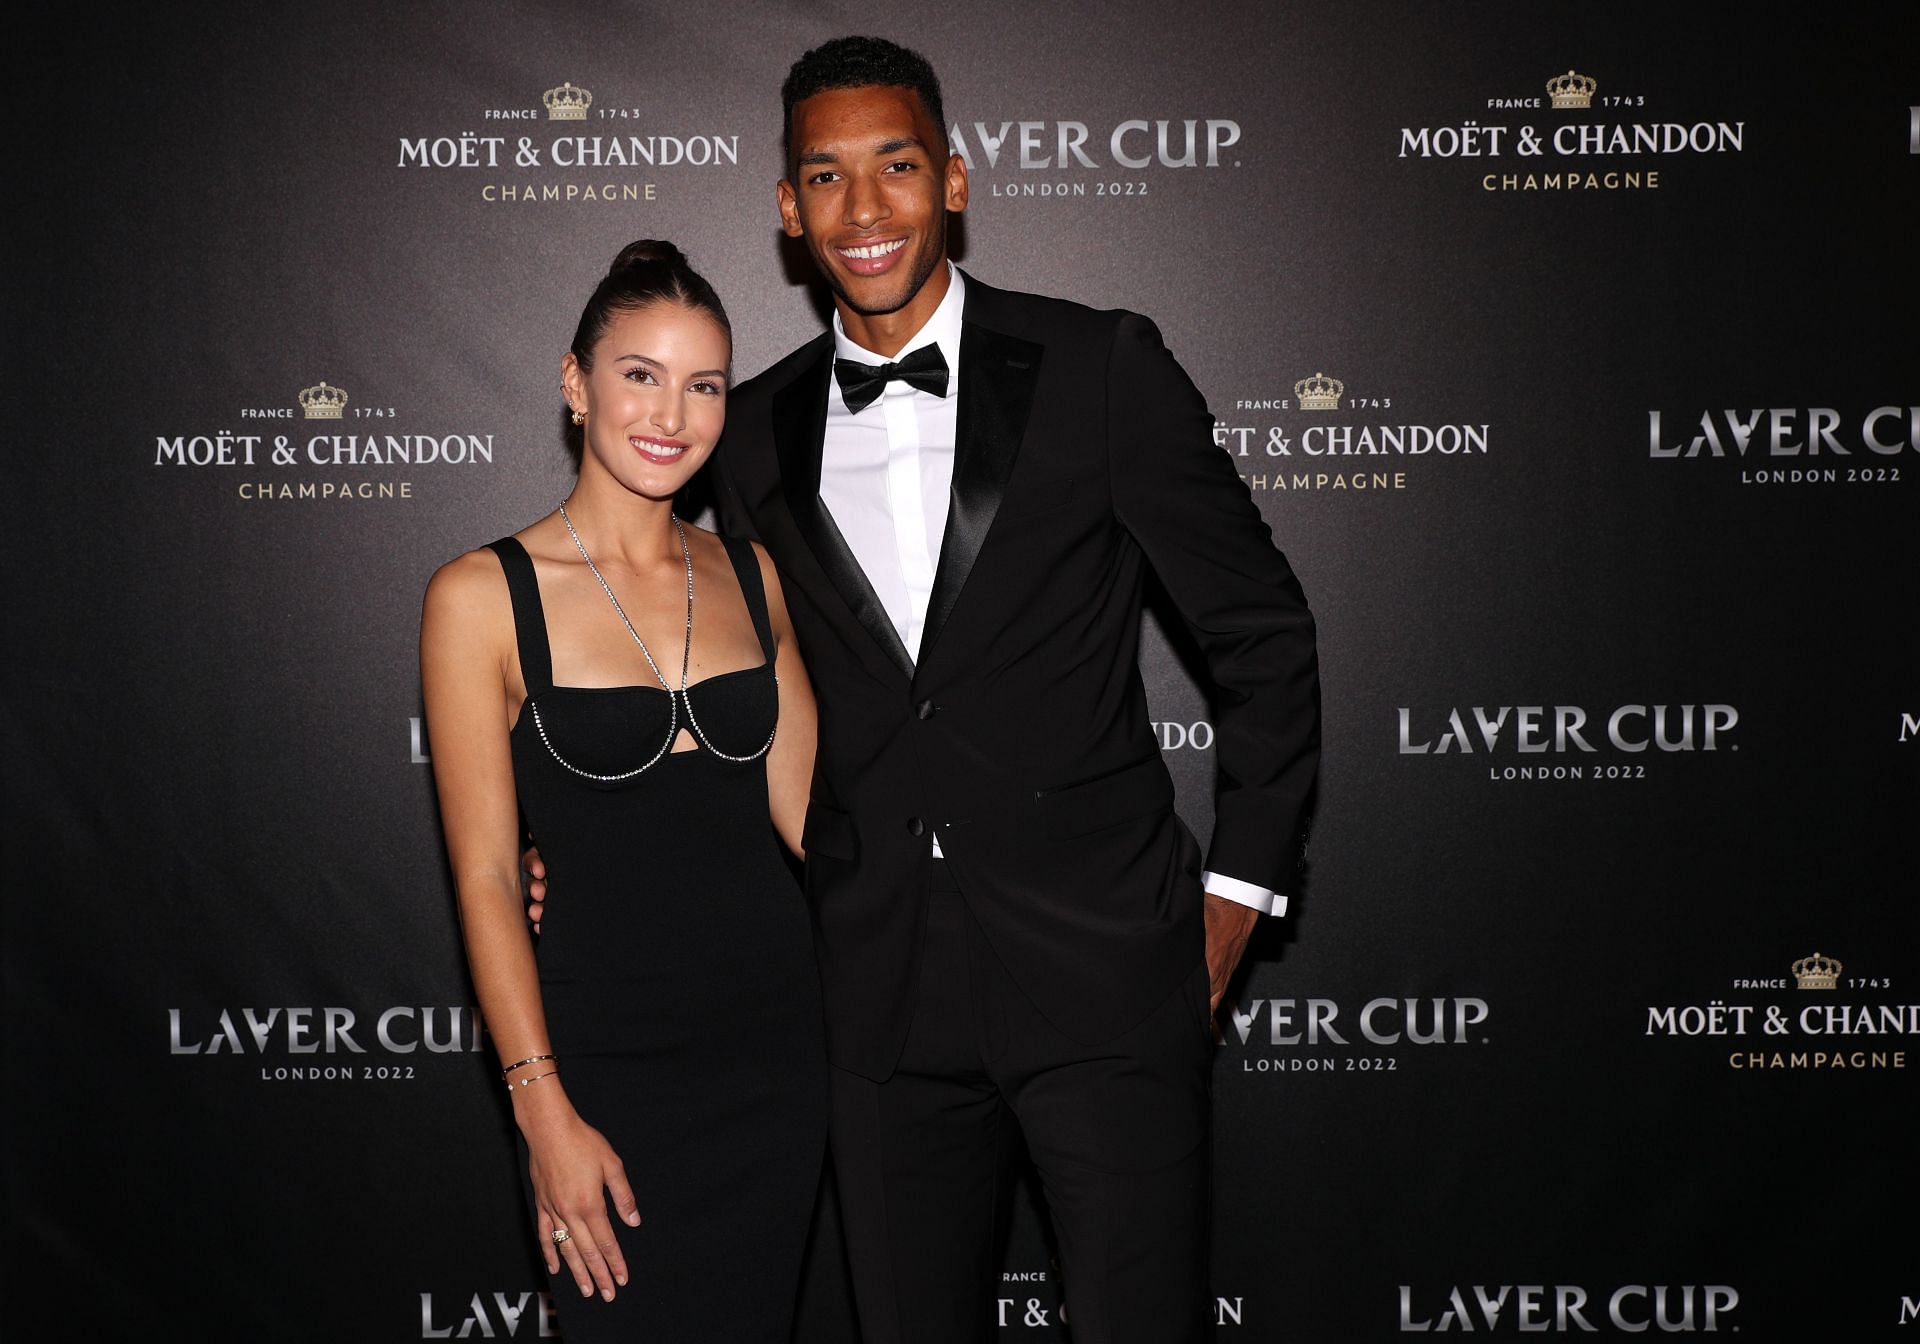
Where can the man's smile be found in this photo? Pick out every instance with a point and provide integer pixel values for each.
(870, 258)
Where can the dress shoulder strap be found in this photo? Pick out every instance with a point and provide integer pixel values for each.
(746, 567)
(529, 617)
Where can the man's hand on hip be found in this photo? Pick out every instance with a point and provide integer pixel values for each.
(1229, 925)
(533, 880)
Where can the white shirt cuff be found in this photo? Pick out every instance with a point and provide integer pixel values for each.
(1244, 893)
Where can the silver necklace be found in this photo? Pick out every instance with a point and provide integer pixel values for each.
(675, 699)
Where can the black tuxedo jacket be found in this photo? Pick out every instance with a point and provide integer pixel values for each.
(1021, 738)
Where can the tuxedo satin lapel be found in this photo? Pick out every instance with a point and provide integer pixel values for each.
(800, 429)
(998, 374)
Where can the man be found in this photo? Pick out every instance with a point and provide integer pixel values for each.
(962, 488)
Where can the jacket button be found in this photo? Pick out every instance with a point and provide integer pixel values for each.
(915, 826)
(924, 709)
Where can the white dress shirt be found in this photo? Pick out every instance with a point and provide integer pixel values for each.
(886, 476)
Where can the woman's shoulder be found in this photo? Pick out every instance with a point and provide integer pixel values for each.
(767, 571)
(468, 585)
(480, 573)
(722, 541)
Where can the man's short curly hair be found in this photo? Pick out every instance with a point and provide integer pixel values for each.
(861, 63)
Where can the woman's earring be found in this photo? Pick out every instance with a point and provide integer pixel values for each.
(579, 416)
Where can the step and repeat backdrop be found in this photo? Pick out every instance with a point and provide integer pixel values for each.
(1570, 351)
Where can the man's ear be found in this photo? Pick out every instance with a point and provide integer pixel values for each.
(789, 208)
(957, 183)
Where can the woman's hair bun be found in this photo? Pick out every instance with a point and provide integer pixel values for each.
(647, 251)
(646, 272)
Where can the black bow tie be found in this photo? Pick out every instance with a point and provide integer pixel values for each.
(862, 384)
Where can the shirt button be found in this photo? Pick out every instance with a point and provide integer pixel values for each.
(915, 826)
(924, 709)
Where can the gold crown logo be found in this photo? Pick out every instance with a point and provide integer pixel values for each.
(1571, 90)
(1319, 393)
(567, 103)
(1817, 972)
(321, 402)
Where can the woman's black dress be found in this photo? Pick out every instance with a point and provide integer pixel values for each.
(677, 974)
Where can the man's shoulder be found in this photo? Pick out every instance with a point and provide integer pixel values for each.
(1040, 316)
(782, 371)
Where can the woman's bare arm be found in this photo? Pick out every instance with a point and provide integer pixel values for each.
(469, 674)
(790, 762)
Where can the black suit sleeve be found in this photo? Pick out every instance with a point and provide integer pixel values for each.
(1180, 498)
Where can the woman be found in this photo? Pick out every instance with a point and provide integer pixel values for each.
(630, 686)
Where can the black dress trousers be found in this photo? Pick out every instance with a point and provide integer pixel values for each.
(1119, 1132)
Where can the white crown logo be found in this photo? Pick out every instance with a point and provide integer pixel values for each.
(1817, 972)
(567, 103)
(1319, 393)
(1571, 90)
(321, 402)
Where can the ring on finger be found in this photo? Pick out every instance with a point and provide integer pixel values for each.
(561, 1234)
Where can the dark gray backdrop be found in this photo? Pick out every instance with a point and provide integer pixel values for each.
(223, 827)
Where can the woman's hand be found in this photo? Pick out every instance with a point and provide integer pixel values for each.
(571, 1164)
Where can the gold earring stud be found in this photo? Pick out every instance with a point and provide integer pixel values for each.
(579, 416)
